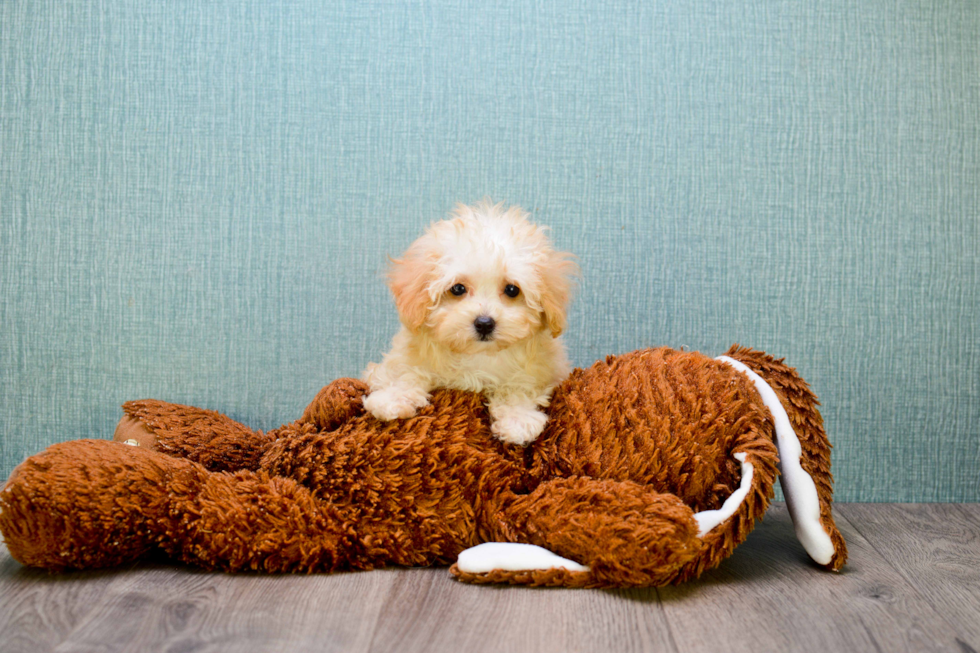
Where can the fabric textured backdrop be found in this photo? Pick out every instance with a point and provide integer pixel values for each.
(197, 198)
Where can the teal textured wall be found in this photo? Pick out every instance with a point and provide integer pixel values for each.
(197, 198)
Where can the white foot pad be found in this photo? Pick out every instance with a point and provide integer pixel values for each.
(508, 556)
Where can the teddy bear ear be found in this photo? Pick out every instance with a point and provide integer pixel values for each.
(410, 279)
(804, 452)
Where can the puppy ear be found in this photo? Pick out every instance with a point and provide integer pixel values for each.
(409, 278)
(557, 272)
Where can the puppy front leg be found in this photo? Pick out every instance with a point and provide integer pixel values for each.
(394, 397)
(516, 417)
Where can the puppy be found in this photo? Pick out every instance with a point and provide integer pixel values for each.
(482, 299)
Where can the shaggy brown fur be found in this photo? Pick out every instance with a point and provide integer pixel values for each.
(634, 446)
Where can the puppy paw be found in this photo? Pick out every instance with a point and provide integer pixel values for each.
(519, 425)
(395, 403)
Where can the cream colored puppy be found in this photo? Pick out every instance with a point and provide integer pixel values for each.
(482, 299)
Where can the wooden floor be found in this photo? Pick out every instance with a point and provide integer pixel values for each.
(912, 584)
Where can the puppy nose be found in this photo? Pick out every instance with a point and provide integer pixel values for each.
(484, 325)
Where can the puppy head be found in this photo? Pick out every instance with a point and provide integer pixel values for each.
(482, 280)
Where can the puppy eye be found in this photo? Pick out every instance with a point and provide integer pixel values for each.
(458, 289)
(511, 290)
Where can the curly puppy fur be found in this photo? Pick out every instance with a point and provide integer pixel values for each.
(482, 300)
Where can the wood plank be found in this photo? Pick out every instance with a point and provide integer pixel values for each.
(769, 597)
(936, 548)
(162, 607)
(38, 610)
(173, 608)
(183, 609)
(429, 611)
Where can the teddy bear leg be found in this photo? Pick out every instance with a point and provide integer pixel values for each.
(622, 532)
(204, 436)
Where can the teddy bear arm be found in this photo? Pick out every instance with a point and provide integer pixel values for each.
(203, 436)
(335, 404)
(254, 521)
(623, 534)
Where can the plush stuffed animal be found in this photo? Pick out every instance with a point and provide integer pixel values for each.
(653, 466)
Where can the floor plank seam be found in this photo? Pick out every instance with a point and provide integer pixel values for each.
(390, 594)
(670, 626)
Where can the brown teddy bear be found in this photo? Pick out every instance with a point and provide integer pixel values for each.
(653, 466)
